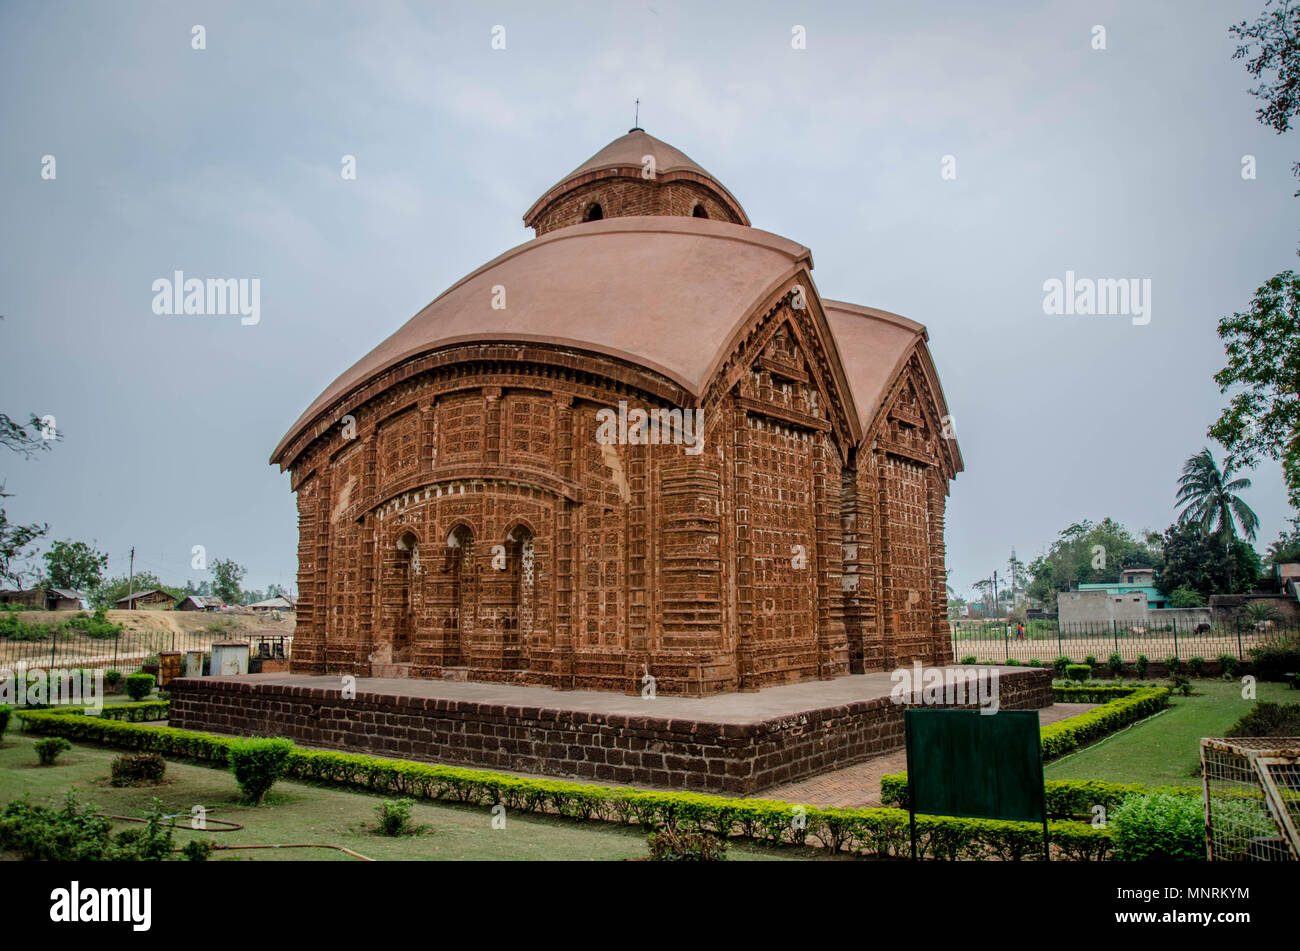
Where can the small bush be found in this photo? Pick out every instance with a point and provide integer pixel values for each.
(969, 660)
(76, 833)
(1079, 672)
(198, 850)
(668, 845)
(1173, 664)
(258, 763)
(1115, 664)
(395, 816)
(1012, 662)
(1141, 665)
(1035, 662)
(1060, 664)
(1177, 683)
(1196, 665)
(1269, 719)
(1277, 658)
(1228, 666)
(5, 710)
(1159, 827)
(49, 749)
(133, 769)
(1091, 660)
(112, 678)
(139, 686)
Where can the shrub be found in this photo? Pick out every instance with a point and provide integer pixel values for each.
(112, 678)
(1177, 683)
(1228, 666)
(1173, 664)
(139, 686)
(1012, 662)
(1196, 665)
(1060, 664)
(98, 627)
(5, 710)
(49, 749)
(258, 763)
(133, 769)
(1141, 665)
(395, 816)
(669, 845)
(969, 660)
(1035, 662)
(1079, 672)
(1277, 657)
(1269, 719)
(1115, 664)
(1091, 660)
(76, 833)
(198, 850)
(1159, 827)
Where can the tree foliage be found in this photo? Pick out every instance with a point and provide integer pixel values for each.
(1263, 349)
(1204, 564)
(1271, 48)
(226, 575)
(75, 565)
(1209, 498)
(1088, 553)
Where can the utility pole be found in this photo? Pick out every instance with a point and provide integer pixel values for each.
(1013, 577)
(996, 612)
(130, 584)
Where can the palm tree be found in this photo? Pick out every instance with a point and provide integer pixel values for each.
(1210, 501)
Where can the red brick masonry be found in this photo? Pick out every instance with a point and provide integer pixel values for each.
(696, 753)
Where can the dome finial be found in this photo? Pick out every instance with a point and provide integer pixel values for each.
(636, 121)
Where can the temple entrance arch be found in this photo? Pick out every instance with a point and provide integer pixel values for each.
(520, 563)
(458, 596)
(405, 573)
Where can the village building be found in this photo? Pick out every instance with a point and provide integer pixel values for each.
(154, 598)
(640, 447)
(199, 602)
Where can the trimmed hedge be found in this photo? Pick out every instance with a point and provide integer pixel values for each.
(1066, 736)
(877, 832)
(132, 712)
(1066, 798)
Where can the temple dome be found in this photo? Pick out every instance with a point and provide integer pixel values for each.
(636, 174)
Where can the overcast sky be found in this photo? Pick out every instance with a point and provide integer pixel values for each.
(225, 162)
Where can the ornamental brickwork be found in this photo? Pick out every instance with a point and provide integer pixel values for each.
(461, 516)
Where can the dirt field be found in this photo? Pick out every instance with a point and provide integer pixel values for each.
(1156, 646)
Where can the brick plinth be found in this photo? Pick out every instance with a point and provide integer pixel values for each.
(671, 751)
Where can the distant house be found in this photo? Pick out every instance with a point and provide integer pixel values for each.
(278, 603)
(64, 599)
(51, 599)
(199, 602)
(32, 599)
(155, 598)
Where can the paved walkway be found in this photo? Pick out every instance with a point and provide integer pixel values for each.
(767, 704)
(858, 785)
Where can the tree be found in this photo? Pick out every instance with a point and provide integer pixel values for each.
(1087, 553)
(74, 565)
(1273, 43)
(14, 542)
(1210, 501)
(226, 575)
(1186, 597)
(1203, 564)
(1263, 348)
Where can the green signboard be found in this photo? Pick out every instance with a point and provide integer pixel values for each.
(975, 765)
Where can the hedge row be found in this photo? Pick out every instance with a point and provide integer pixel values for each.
(131, 712)
(1068, 735)
(875, 832)
(1066, 798)
(1091, 693)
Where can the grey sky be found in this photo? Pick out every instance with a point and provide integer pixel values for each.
(225, 162)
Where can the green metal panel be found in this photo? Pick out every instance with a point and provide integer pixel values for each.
(976, 765)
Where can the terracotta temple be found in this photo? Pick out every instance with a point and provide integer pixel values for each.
(640, 445)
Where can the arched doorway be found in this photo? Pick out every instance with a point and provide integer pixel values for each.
(520, 562)
(406, 593)
(458, 570)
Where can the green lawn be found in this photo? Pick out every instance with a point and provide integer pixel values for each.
(1165, 749)
(302, 813)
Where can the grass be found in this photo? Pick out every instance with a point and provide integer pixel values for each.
(302, 813)
(1165, 749)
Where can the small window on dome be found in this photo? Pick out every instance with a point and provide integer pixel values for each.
(699, 212)
(594, 213)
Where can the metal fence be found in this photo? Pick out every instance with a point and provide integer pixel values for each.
(126, 652)
(1047, 640)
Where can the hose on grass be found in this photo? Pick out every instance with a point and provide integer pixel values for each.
(234, 827)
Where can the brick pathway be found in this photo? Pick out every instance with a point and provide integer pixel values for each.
(858, 785)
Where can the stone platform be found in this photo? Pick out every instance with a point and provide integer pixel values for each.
(738, 744)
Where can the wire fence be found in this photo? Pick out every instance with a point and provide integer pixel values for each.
(127, 651)
(1047, 640)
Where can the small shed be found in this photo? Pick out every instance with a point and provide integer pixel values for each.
(199, 602)
(272, 604)
(155, 598)
(64, 599)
